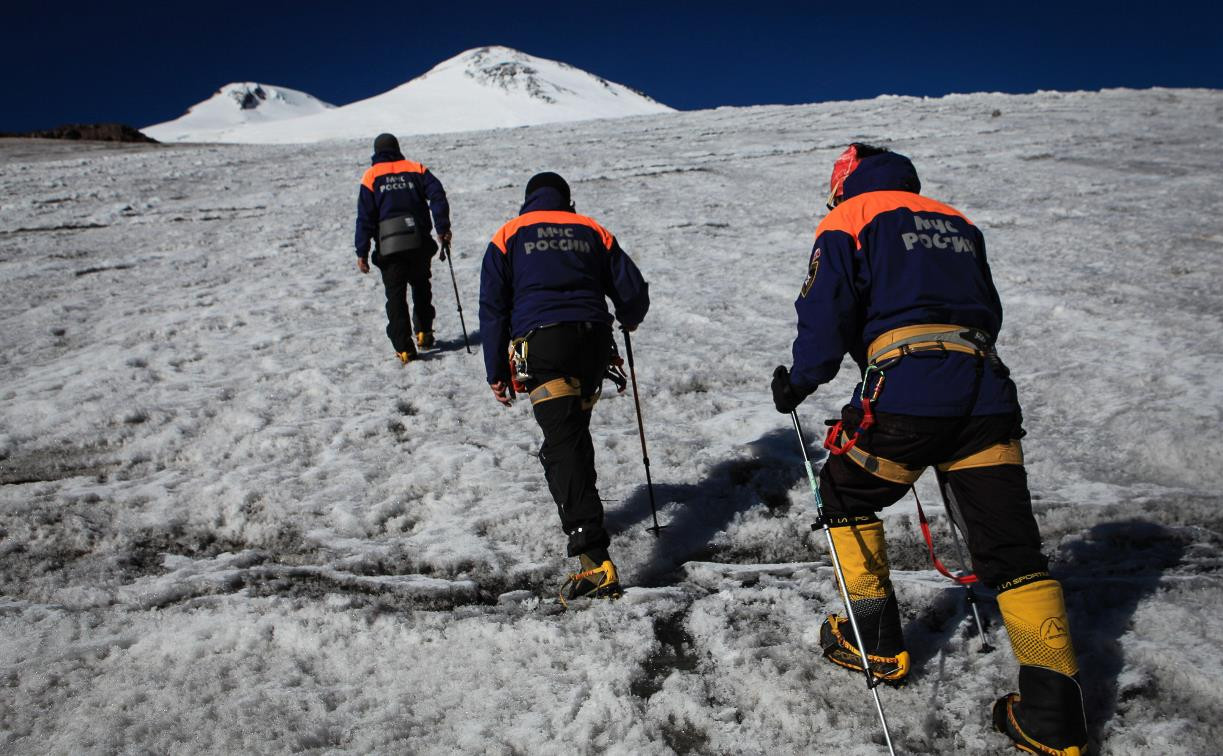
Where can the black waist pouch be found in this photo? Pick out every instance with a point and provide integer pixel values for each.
(397, 235)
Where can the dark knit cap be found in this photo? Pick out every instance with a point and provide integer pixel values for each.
(386, 143)
(553, 180)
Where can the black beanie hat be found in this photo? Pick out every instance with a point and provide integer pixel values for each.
(386, 143)
(547, 178)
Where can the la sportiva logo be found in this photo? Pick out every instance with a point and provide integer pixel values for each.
(1054, 633)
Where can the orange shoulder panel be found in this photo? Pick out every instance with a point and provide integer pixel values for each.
(856, 213)
(367, 178)
(604, 235)
(501, 238)
(561, 217)
(382, 169)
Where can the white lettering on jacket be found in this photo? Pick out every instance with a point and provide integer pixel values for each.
(393, 182)
(945, 236)
(546, 240)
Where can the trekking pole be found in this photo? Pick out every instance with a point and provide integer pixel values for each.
(645, 457)
(448, 256)
(965, 580)
(872, 682)
(956, 517)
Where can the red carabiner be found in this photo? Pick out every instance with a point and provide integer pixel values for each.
(830, 440)
(868, 419)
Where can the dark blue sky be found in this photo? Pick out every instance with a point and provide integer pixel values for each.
(142, 63)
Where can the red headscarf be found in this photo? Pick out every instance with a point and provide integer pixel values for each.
(845, 165)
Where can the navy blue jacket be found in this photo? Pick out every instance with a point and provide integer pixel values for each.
(393, 187)
(888, 257)
(551, 265)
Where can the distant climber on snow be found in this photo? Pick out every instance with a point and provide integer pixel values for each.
(394, 203)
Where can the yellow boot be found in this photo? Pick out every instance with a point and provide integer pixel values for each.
(864, 560)
(1046, 716)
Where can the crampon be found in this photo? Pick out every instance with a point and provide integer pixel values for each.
(1007, 722)
(837, 649)
(596, 581)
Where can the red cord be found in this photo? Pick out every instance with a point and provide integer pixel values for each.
(968, 579)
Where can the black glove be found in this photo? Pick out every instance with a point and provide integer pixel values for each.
(785, 398)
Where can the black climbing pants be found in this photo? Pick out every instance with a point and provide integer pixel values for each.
(398, 273)
(982, 472)
(1003, 539)
(578, 352)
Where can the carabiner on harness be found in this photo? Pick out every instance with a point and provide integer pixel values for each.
(868, 414)
(519, 370)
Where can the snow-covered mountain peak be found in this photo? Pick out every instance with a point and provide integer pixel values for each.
(511, 75)
(480, 62)
(482, 88)
(235, 105)
(253, 95)
(270, 102)
(515, 71)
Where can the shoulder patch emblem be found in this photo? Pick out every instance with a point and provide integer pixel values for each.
(812, 269)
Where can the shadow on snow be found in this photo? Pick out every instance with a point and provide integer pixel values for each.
(695, 513)
(1110, 572)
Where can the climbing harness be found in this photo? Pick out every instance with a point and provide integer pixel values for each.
(885, 351)
(906, 340)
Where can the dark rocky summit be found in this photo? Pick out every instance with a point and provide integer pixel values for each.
(94, 132)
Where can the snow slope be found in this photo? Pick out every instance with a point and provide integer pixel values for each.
(235, 106)
(483, 88)
(230, 521)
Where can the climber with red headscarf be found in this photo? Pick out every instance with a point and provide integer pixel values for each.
(901, 283)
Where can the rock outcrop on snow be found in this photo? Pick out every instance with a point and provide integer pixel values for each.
(94, 132)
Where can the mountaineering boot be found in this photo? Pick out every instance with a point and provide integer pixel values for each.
(840, 651)
(864, 561)
(405, 357)
(425, 340)
(596, 579)
(1009, 720)
(1046, 715)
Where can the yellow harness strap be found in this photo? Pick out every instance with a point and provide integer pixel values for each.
(881, 467)
(919, 338)
(562, 387)
(1006, 453)
(555, 389)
